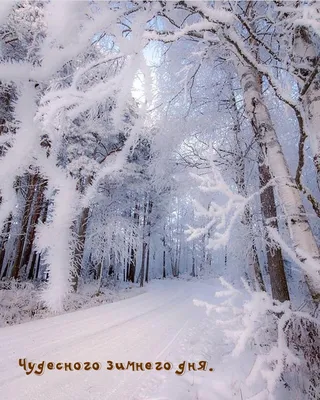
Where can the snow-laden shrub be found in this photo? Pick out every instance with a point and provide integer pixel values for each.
(19, 302)
(285, 343)
(93, 294)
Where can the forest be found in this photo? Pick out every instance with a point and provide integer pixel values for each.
(164, 147)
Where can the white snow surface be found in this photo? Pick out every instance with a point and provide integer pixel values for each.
(162, 324)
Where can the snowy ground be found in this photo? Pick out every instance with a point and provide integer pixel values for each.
(161, 325)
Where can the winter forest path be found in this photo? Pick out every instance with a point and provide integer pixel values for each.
(160, 325)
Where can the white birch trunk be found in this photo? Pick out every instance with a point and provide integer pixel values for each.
(306, 53)
(304, 244)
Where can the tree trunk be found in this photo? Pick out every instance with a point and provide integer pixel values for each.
(225, 257)
(253, 260)
(278, 281)
(80, 236)
(193, 271)
(112, 263)
(5, 236)
(143, 260)
(132, 265)
(276, 268)
(164, 258)
(36, 211)
(150, 207)
(306, 54)
(32, 180)
(35, 262)
(133, 260)
(304, 244)
(144, 240)
(257, 269)
(148, 261)
(128, 262)
(252, 254)
(99, 275)
(78, 252)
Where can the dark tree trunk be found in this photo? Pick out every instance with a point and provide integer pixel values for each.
(78, 252)
(36, 211)
(144, 241)
(38, 262)
(148, 261)
(142, 273)
(133, 258)
(32, 265)
(132, 265)
(193, 266)
(35, 262)
(6, 233)
(164, 258)
(32, 179)
(277, 274)
(112, 263)
(128, 262)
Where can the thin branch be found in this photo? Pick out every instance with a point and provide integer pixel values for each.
(311, 78)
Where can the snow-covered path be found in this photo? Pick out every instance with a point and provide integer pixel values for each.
(160, 325)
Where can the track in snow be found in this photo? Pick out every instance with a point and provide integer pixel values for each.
(159, 325)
